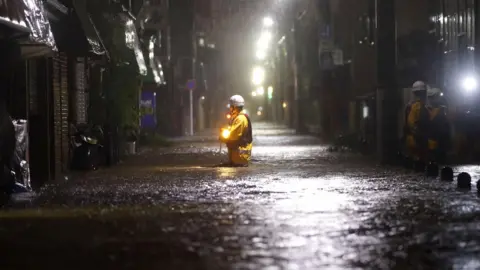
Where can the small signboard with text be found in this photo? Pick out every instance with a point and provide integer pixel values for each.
(148, 110)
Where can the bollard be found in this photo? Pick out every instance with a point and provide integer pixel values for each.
(446, 174)
(464, 180)
(432, 170)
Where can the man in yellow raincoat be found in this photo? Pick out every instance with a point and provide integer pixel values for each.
(238, 137)
(417, 121)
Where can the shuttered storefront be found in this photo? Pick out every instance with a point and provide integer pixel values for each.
(81, 97)
(60, 113)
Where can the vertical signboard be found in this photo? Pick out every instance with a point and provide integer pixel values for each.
(148, 118)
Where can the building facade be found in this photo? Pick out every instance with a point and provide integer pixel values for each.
(55, 76)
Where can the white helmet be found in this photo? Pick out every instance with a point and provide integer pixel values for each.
(237, 101)
(419, 86)
(434, 92)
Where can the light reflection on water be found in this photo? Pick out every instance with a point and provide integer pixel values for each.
(297, 207)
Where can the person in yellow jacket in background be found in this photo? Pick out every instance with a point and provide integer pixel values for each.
(439, 127)
(416, 126)
(238, 137)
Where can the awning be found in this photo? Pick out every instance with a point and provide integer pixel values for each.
(156, 69)
(91, 32)
(129, 47)
(27, 16)
(74, 29)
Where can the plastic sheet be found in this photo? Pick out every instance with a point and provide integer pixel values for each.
(155, 63)
(91, 32)
(21, 166)
(11, 13)
(29, 16)
(37, 22)
(132, 42)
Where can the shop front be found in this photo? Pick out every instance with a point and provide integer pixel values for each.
(25, 35)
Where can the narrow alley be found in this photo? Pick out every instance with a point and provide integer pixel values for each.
(298, 206)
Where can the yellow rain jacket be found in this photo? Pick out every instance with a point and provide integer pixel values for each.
(239, 142)
(416, 125)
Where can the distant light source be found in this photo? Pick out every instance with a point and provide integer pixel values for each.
(261, 55)
(203, 97)
(469, 83)
(261, 91)
(270, 92)
(264, 40)
(268, 22)
(201, 42)
(254, 93)
(284, 105)
(365, 111)
(259, 113)
(258, 75)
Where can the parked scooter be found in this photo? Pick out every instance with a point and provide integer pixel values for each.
(87, 147)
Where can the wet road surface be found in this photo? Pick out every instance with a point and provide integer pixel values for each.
(297, 207)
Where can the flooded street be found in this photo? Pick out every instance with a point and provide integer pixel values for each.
(298, 206)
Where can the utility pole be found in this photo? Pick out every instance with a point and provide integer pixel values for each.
(194, 66)
(297, 120)
(387, 92)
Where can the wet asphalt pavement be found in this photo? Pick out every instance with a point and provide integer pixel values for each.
(297, 207)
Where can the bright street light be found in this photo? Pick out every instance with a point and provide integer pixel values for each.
(261, 55)
(469, 83)
(254, 94)
(258, 75)
(268, 22)
(264, 40)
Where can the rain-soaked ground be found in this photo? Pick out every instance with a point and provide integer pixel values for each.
(297, 207)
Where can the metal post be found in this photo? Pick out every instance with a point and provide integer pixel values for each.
(194, 67)
(387, 92)
(296, 98)
(191, 112)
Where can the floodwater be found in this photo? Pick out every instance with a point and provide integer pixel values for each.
(298, 206)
